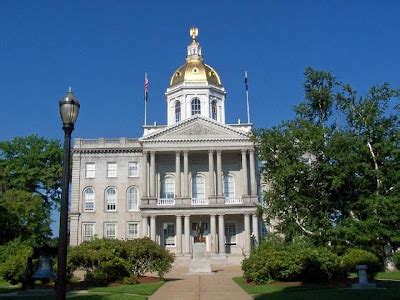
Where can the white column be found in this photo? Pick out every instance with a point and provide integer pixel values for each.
(253, 182)
(187, 234)
(247, 240)
(178, 235)
(153, 228)
(211, 172)
(144, 174)
(177, 174)
(145, 226)
(244, 173)
(213, 231)
(186, 174)
(255, 229)
(221, 234)
(152, 174)
(219, 174)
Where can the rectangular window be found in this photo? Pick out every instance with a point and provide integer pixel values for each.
(169, 234)
(230, 233)
(112, 169)
(90, 170)
(133, 169)
(87, 231)
(110, 230)
(132, 231)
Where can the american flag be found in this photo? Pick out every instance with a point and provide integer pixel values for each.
(146, 87)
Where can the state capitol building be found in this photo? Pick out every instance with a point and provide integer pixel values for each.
(195, 170)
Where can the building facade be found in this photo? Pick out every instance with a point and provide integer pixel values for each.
(194, 176)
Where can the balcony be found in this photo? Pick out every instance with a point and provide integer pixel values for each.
(166, 201)
(199, 201)
(234, 200)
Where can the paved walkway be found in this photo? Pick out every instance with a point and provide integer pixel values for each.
(219, 285)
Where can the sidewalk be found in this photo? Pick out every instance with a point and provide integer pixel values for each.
(219, 285)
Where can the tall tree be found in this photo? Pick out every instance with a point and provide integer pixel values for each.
(32, 164)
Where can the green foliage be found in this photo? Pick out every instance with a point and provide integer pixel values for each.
(290, 262)
(23, 216)
(333, 172)
(13, 267)
(132, 279)
(118, 259)
(396, 258)
(356, 257)
(32, 164)
(96, 277)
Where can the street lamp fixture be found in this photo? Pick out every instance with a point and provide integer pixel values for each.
(69, 110)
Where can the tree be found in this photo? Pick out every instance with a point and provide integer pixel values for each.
(335, 182)
(32, 164)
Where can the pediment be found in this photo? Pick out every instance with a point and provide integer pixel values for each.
(197, 128)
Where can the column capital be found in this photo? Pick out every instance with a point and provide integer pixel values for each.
(185, 152)
(210, 151)
(252, 150)
(244, 151)
(219, 151)
(152, 152)
(179, 216)
(187, 215)
(178, 152)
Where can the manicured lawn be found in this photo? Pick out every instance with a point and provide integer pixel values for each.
(388, 275)
(6, 287)
(386, 290)
(136, 292)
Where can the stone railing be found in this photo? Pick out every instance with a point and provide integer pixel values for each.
(166, 201)
(199, 201)
(105, 143)
(235, 200)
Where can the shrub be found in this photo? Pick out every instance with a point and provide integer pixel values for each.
(298, 261)
(396, 259)
(13, 268)
(118, 259)
(356, 257)
(96, 278)
(132, 279)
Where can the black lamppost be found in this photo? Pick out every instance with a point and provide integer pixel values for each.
(69, 109)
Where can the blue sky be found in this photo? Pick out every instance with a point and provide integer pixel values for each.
(102, 49)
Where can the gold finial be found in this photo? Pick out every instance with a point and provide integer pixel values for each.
(194, 32)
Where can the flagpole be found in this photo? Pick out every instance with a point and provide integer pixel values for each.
(145, 100)
(247, 97)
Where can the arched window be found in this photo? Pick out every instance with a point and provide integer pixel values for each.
(88, 199)
(133, 198)
(177, 111)
(229, 186)
(214, 113)
(168, 188)
(196, 106)
(111, 199)
(198, 187)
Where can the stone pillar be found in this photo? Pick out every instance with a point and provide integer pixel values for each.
(187, 234)
(255, 229)
(219, 175)
(186, 174)
(244, 173)
(145, 226)
(178, 174)
(152, 174)
(213, 231)
(144, 174)
(253, 182)
(221, 234)
(153, 228)
(179, 235)
(211, 173)
(247, 240)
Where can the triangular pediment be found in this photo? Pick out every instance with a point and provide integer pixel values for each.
(197, 128)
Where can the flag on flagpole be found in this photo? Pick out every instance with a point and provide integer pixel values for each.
(245, 81)
(146, 87)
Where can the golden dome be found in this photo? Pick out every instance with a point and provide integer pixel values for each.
(195, 70)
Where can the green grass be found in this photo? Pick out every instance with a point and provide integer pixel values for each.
(123, 292)
(6, 287)
(385, 290)
(388, 275)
